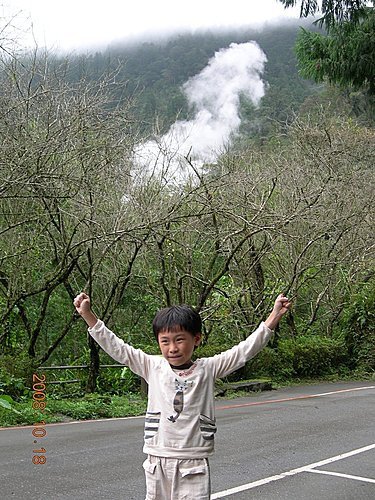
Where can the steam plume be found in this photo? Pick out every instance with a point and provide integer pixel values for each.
(214, 95)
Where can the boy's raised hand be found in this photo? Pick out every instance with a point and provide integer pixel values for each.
(83, 307)
(82, 303)
(281, 306)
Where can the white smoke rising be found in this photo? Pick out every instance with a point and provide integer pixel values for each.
(214, 95)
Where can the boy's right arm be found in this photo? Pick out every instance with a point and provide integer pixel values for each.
(135, 359)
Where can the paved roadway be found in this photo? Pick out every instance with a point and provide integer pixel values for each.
(259, 439)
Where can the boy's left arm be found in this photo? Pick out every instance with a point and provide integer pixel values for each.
(226, 362)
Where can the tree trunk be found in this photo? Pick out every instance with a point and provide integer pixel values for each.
(94, 366)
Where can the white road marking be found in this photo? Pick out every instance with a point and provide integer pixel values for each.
(328, 473)
(305, 468)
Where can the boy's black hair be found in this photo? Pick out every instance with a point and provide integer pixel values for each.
(176, 318)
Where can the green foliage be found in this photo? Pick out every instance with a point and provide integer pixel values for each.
(209, 350)
(313, 356)
(11, 384)
(333, 11)
(303, 357)
(118, 381)
(91, 406)
(24, 415)
(7, 403)
(269, 363)
(345, 57)
(358, 327)
(97, 407)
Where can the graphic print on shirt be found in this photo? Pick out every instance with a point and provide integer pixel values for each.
(178, 402)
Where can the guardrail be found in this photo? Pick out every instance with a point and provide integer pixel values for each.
(83, 367)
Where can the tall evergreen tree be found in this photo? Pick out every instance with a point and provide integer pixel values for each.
(345, 55)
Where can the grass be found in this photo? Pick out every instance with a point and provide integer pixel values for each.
(349, 377)
(91, 406)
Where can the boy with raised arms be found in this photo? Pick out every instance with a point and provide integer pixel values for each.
(180, 422)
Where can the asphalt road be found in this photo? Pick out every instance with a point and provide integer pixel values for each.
(260, 438)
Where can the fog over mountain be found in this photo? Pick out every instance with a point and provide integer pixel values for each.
(93, 24)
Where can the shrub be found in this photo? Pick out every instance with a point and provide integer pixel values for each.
(313, 356)
(303, 356)
(13, 386)
(118, 381)
(16, 374)
(209, 350)
(271, 363)
(358, 326)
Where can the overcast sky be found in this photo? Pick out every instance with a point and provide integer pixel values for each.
(80, 24)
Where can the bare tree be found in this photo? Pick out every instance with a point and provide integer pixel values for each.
(65, 160)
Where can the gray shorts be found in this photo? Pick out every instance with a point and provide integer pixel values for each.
(177, 479)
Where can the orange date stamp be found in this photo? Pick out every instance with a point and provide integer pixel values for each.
(39, 432)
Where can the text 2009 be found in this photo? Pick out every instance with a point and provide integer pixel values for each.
(39, 403)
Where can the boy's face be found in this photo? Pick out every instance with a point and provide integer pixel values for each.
(177, 347)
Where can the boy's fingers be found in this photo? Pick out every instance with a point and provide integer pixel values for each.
(282, 298)
(79, 299)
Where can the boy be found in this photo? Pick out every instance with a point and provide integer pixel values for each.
(180, 418)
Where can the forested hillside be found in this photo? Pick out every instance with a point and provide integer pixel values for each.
(155, 71)
(289, 208)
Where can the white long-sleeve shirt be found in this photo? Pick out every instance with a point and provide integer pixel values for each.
(180, 418)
